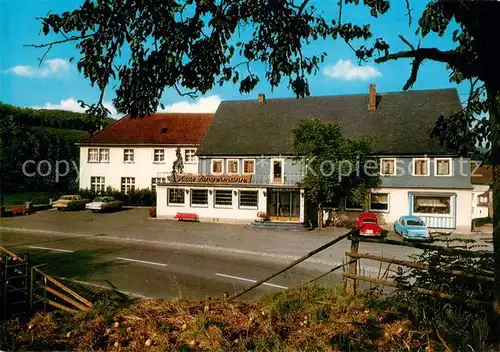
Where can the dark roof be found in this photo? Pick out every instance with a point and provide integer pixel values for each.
(400, 124)
(483, 175)
(161, 128)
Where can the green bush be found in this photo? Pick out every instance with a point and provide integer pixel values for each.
(481, 221)
(138, 197)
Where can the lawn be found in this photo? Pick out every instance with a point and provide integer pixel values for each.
(22, 197)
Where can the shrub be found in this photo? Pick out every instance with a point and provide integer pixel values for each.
(138, 197)
(481, 221)
(152, 212)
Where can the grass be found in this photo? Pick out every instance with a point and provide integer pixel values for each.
(21, 198)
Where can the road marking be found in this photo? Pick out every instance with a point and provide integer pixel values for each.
(52, 249)
(250, 280)
(141, 261)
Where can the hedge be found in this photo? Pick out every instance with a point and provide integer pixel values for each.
(138, 197)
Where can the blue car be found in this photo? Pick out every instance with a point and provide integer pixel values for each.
(412, 228)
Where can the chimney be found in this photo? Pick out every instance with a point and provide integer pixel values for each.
(262, 98)
(372, 98)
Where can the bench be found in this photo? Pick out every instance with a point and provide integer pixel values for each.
(19, 210)
(186, 216)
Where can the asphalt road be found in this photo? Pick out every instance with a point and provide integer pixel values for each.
(155, 271)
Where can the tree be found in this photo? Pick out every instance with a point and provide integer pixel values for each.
(194, 45)
(335, 167)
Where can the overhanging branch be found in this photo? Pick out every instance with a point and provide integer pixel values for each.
(422, 54)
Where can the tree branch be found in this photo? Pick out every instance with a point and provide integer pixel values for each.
(409, 12)
(422, 54)
(404, 40)
(70, 39)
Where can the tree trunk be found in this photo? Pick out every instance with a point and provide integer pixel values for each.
(495, 162)
(320, 216)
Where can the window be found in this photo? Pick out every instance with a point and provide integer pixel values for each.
(216, 166)
(483, 200)
(223, 197)
(97, 184)
(93, 155)
(421, 167)
(128, 184)
(104, 155)
(442, 167)
(379, 202)
(249, 199)
(98, 155)
(232, 166)
(249, 166)
(155, 181)
(431, 204)
(199, 197)
(190, 156)
(128, 155)
(388, 167)
(352, 205)
(277, 171)
(175, 196)
(159, 155)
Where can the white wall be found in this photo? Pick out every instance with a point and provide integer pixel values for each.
(479, 211)
(143, 168)
(210, 212)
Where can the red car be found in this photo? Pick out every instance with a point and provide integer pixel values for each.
(368, 225)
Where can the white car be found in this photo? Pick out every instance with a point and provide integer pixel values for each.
(101, 204)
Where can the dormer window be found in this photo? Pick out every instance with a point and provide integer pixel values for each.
(388, 166)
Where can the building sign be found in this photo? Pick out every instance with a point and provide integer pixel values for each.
(211, 179)
(283, 190)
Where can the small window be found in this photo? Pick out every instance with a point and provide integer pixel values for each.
(93, 156)
(128, 155)
(232, 166)
(277, 171)
(431, 205)
(216, 166)
(379, 202)
(352, 205)
(155, 181)
(190, 156)
(128, 184)
(443, 167)
(483, 200)
(104, 155)
(175, 196)
(249, 166)
(223, 197)
(97, 184)
(249, 199)
(388, 167)
(159, 155)
(421, 167)
(199, 197)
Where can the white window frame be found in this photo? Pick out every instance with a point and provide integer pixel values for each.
(246, 207)
(380, 210)
(481, 204)
(102, 185)
(237, 166)
(394, 160)
(450, 161)
(432, 214)
(96, 155)
(155, 183)
(191, 198)
(124, 184)
(128, 154)
(107, 152)
(428, 166)
(243, 167)
(193, 156)
(169, 203)
(351, 209)
(223, 206)
(221, 167)
(161, 156)
(282, 170)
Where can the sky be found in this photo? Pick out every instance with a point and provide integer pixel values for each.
(57, 84)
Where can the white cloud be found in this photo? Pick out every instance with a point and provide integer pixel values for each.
(345, 70)
(71, 104)
(52, 67)
(208, 104)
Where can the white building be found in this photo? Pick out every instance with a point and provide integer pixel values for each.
(246, 163)
(482, 195)
(138, 153)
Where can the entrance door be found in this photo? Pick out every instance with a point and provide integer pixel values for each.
(283, 205)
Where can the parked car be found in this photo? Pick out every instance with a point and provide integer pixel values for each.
(368, 225)
(70, 202)
(101, 204)
(412, 228)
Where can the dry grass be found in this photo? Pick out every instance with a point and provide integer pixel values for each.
(303, 319)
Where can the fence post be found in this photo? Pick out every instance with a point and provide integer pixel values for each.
(351, 283)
